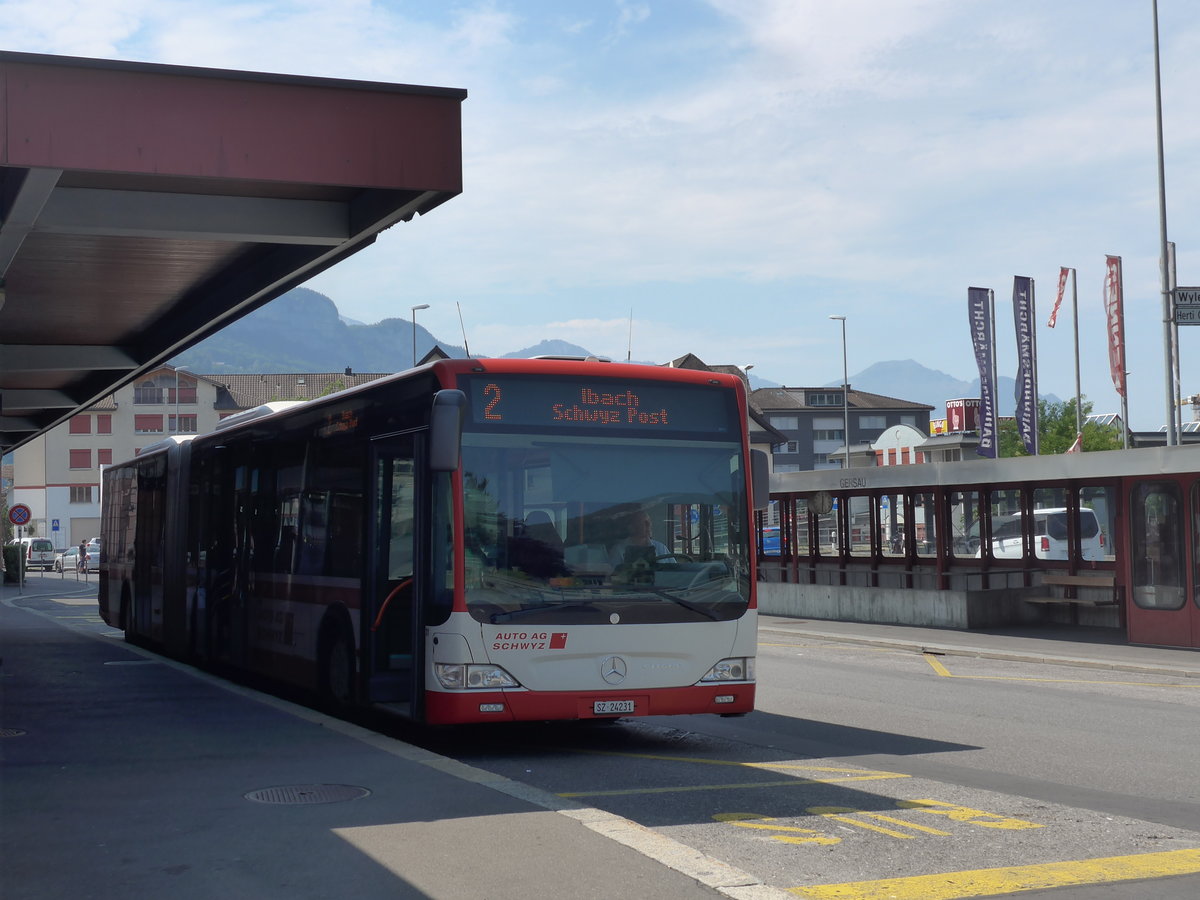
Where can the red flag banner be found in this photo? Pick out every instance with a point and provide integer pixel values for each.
(1062, 286)
(1114, 308)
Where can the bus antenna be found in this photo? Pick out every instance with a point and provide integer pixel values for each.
(629, 346)
(464, 329)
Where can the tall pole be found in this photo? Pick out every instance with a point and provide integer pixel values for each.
(845, 390)
(414, 328)
(1168, 313)
(1177, 399)
(1078, 387)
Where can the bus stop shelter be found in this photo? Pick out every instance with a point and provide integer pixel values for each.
(144, 207)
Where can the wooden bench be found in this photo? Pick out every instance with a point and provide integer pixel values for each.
(1107, 580)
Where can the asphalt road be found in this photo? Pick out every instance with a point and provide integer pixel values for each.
(865, 765)
(870, 773)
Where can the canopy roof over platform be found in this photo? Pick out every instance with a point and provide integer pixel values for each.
(144, 207)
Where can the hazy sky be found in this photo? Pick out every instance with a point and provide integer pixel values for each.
(732, 172)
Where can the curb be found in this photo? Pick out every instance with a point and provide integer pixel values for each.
(947, 649)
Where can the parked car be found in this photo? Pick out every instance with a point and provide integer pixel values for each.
(39, 552)
(68, 560)
(1049, 535)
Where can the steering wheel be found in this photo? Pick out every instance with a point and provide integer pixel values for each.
(675, 556)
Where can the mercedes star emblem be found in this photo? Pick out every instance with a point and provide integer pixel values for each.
(613, 670)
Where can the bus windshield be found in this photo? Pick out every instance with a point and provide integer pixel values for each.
(570, 528)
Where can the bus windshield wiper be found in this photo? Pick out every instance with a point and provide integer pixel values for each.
(686, 604)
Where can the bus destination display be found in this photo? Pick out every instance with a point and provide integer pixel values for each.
(598, 403)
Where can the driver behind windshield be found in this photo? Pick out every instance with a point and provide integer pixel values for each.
(636, 526)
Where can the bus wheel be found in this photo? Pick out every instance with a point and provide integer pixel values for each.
(337, 666)
(123, 614)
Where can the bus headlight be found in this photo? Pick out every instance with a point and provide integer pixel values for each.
(740, 668)
(467, 677)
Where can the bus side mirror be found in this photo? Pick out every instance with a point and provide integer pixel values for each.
(760, 478)
(445, 429)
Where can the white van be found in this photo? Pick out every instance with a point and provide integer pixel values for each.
(39, 552)
(1049, 535)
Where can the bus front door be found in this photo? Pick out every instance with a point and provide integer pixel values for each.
(392, 647)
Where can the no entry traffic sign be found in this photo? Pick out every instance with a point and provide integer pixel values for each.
(19, 514)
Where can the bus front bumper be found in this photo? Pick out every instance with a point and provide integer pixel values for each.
(445, 708)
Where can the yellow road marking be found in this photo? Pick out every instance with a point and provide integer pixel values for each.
(957, 813)
(937, 665)
(835, 813)
(882, 818)
(792, 834)
(1012, 879)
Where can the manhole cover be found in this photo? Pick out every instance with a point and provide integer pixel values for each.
(308, 793)
(11, 732)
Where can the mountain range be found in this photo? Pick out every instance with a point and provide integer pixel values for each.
(302, 331)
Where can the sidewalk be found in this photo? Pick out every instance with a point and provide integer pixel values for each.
(1097, 648)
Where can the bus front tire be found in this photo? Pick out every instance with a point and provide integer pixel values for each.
(337, 666)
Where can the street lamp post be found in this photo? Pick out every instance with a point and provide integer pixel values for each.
(845, 390)
(414, 327)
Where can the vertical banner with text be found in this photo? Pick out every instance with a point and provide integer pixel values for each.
(980, 312)
(1114, 308)
(1025, 390)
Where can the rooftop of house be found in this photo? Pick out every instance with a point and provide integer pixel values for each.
(787, 398)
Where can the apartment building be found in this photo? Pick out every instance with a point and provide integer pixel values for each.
(813, 421)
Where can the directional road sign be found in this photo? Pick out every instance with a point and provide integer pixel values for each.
(1187, 296)
(1187, 306)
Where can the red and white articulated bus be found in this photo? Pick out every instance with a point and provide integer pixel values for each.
(469, 541)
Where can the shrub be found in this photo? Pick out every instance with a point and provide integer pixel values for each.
(12, 559)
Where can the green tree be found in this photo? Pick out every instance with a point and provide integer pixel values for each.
(1056, 431)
